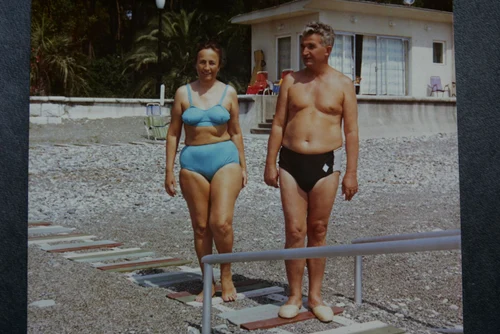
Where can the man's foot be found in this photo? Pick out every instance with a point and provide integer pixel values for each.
(291, 309)
(199, 297)
(323, 313)
(228, 290)
(320, 310)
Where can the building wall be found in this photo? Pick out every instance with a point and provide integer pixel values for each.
(421, 35)
(420, 46)
(265, 35)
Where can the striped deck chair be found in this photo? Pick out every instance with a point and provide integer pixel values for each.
(155, 122)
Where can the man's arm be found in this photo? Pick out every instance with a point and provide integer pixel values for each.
(350, 117)
(277, 131)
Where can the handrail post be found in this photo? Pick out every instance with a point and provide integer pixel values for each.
(358, 277)
(206, 326)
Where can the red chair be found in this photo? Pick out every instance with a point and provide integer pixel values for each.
(260, 84)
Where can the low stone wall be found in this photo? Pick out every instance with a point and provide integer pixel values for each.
(378, 116)
(54, 109)
(381, 117)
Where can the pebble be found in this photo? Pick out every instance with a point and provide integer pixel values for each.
(43, 303)
(101, 184)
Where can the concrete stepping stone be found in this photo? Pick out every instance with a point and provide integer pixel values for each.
(39, 223)
(187, 297)
(372, 327)
(58, 238)
(63, 145)
(263, 292)
(129, 263)
(83, 144)
(40, 230)
(277, 321)
(43, 303)
(157, 278)
(146, 264)
(81, 246)
(216, 271)
(116, 254)
(165, 279)
(242, 292)
(343, 320)
(250, 314)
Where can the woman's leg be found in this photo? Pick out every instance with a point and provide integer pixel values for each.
(196, 191)
(224, 190)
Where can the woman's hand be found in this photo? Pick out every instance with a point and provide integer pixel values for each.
(245, 177)
(170, 183)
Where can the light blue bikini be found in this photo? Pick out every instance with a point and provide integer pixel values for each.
(207, 159)
(194, 116)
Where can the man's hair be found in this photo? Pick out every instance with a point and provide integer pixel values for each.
(324, 30)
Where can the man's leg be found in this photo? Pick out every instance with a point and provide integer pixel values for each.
(321, 199)
(294, 201)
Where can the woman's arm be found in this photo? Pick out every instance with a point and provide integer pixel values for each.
(234, 130)
(173, 135)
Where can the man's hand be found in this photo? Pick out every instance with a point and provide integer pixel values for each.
(271, 175)
(349, 185)
(170, 183)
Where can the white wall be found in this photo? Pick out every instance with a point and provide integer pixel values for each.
(55, 109)
(420, 54)
(264, 37)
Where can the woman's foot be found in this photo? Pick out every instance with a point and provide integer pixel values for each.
(199, 297)
(228, 289)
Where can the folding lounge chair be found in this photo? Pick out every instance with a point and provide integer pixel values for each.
(261, 83)
(436, 86)
(155, 123)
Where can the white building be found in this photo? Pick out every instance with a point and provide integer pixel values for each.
(394, 49)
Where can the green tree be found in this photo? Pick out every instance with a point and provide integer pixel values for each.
(56, 69)
(181, 33)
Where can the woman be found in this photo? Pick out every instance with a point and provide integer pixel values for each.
(213, 168)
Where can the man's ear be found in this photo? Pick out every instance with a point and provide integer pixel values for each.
(329, 49)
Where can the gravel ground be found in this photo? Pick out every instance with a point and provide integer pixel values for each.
(116, 193)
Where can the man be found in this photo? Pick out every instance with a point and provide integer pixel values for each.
(311, 106)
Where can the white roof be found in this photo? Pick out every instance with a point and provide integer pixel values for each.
(304, 7)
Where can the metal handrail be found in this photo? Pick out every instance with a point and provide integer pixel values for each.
(408, 236)
(358, 265)
(385, 247)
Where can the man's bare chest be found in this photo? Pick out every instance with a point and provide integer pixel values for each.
(326, 100)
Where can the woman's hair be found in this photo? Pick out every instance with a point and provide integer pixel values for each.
(211, 44)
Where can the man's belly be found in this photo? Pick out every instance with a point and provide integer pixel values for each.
(312, 137)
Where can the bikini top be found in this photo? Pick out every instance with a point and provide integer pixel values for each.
(216, 115)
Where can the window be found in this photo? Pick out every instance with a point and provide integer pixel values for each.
(383, 65)
(284, 54)
(301, 63)
(343, 55)
(438, 52)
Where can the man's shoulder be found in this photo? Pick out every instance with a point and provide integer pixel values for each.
(339, 79)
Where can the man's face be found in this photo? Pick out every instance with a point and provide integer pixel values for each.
(313, 52)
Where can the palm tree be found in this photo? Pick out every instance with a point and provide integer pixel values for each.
(181, 32)
(54, 68)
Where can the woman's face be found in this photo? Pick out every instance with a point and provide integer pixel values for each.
(207, 65)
